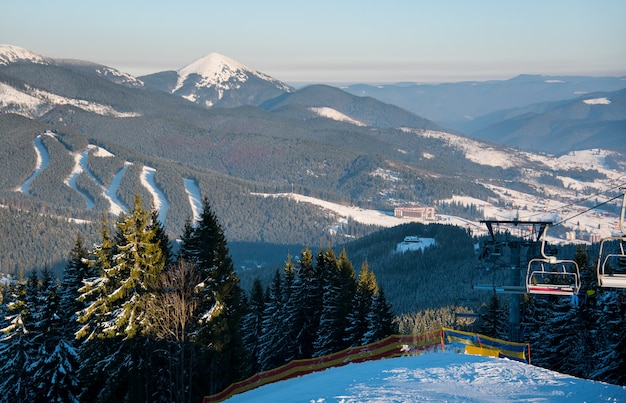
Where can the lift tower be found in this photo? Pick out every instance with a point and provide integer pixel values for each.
(517, 251)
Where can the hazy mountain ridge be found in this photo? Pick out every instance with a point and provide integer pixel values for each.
(594, 120)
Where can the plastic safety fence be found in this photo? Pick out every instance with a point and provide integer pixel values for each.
(505, 349)
(392, 346)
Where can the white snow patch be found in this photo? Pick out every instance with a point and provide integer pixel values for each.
(99, 151)
(473, 150)
(43, 159)
(195, 198)
(386, 174)
(334, 114)
(597, 101)
(435, 377)
(34, 102)
(11, 54)
(554, 81)
(414, 243)
(364, 216)
(110, 193)
(158, 197)
(80, 165)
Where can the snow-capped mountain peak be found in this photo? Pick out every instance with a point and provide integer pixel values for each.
(214, 67)
(208, 79)
(11, 54)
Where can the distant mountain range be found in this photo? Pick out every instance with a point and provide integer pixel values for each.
(240, 136)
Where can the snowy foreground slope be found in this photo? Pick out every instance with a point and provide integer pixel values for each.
(435, 377)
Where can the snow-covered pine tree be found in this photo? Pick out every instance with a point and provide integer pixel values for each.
(329, 334)
(304, 307)
(56, 364)
(610, 359)
(272, 325)
(286, 348)
(380, 321)
(361, 306)
(17, 351)
(115, 319)
(252, 327)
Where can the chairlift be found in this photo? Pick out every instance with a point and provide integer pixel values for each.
(548, 275)
(612, 257)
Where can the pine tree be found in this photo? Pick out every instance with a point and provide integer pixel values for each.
(304, 306)
(252, 327)
(17, 351)
(494, 321)
(134, 275)
(56, 361)
(329, 334)
(116, 317)
(380, 321)
(361, 306)
(161, 236)
(221, 302)
(272, 325)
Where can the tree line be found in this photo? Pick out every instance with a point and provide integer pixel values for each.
(131, 320)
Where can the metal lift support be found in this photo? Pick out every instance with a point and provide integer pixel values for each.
(514, 286)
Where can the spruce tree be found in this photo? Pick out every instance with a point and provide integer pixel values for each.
(356, 326)
(380, 321)
(55, 367)
(17, 350)
(330, 332)
(272, 326)
(221, 302)
(252, 327)
(116, 318)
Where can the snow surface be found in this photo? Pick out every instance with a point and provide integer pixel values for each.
(80, 166)
(597, 101)
(364, 216)
(334, 114)
(11, 54)
(117, 207)
(159, 200)
(435, 377)
(195, 198)
(43, 159)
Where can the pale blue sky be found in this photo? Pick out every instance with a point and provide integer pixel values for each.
(332, 40)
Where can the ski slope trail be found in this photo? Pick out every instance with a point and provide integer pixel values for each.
(435, 377)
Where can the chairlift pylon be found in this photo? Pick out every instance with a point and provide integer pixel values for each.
(548, 275)
(612, 257)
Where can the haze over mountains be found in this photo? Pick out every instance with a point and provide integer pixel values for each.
(239, 134)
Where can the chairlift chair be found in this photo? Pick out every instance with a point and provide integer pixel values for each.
(612, 257)
(548, 275)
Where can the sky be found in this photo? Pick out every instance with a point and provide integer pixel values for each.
(332, 41)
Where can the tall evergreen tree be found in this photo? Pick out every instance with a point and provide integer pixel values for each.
(356, 326)
(494, 321)
(301, 320)
(272, 325)
(117, 309)
(17, 351)
(252, 327)
(221, 302)
(56, 364)
(380, 321)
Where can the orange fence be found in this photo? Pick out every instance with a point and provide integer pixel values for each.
(392, 346)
